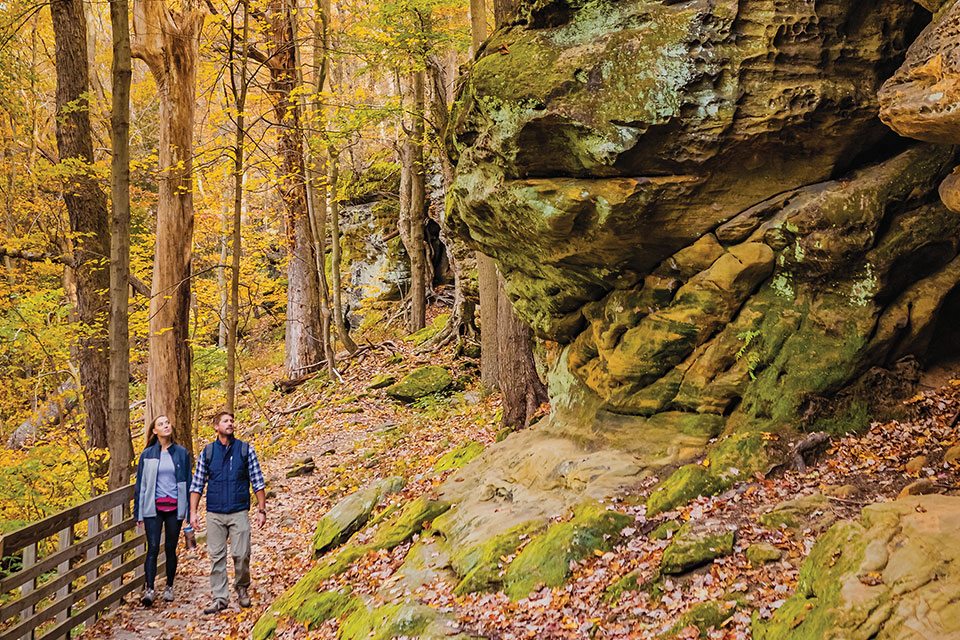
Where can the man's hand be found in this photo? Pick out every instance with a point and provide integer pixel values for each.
(195, 521)
(261, 519)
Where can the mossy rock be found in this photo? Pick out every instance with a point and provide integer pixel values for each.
(796, 513)
(762, 552)
(419, 383)
(410, 521)
(381, 380)
(665, 530)
(628, 582)
(302, 468)
(546, 560)
(403, 619)
(735, 458)
(481, 565)
(390, 534)
(313, 611)
(889, 574)
(350, 514)
(458, 457)
(696, 544)
(422, 335)
(704, 616)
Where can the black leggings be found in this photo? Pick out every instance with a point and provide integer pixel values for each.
(166, 520)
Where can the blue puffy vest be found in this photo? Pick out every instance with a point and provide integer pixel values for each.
(228, 486)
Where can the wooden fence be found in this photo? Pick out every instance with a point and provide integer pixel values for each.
(65, 580)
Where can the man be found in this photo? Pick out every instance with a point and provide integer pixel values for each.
(229, 467)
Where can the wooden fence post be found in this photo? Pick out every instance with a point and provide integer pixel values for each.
(93, 528)
(65, 539)
(29, 559)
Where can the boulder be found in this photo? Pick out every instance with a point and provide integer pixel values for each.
(762, 552)
(350, 514)
(419, 383)
(381, 380)
(799, 513)
(695, 544)
(889, 574)
(546, 560)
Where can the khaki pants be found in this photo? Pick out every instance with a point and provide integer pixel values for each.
(236, 527)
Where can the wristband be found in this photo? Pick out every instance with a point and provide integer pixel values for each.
(263, 511)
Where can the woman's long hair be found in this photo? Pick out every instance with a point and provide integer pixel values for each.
(152, 438)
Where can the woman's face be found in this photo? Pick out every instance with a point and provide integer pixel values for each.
(162, 427)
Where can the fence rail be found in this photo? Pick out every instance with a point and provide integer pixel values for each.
(64, 579)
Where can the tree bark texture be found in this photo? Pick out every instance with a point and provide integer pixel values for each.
(489, 325)
(413, 206)
(168, 41)
(87, 208)
(478, 24)
(520, 384)
(118, 428)
(502, 10)
(303, 331)
(238, 87)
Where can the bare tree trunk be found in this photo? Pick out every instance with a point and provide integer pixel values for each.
(87, 207)
(8, 224)
(238, 87)
(412, 216)
(303, 330)
(168, 41)
(478, 24)
(118, 429)
(522, 390)
(489, 323)
(223, 286)
(341, 322)
(502, 10)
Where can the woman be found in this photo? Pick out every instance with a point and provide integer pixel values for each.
(161, 501)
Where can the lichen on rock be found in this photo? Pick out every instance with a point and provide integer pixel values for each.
(888, 574)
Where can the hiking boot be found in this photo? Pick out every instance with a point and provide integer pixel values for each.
(168, 594)
(148, 597)
(216, 607)
(243, 598)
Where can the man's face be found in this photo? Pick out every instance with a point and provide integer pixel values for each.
(224, 426)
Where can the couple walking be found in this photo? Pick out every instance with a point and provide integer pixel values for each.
(228, 468)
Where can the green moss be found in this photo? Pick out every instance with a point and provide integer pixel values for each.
(421, 382)
(761, 553)
(459, 457)
(811, 612)
(612, 594)
(855, 419)
(481, 565)
(703, 616)
(735, 458)
(410, 521)
(351, 513)
(422, 335)
(665, 530)
(384, 623)
(690, 549)
(546, 560)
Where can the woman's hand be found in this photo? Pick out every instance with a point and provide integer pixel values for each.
(139, 524)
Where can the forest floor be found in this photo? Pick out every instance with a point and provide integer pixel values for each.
(355, 435)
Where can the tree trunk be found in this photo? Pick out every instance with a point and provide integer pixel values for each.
(223, 282)
(522, 390)
(478, 24)
(303, 330)
(502, 10)
(317, 193)
(87, 208)
(489, 324)
(412, 215)
(118, 429)
(338, 317)
(168, 41)
(238, 87)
